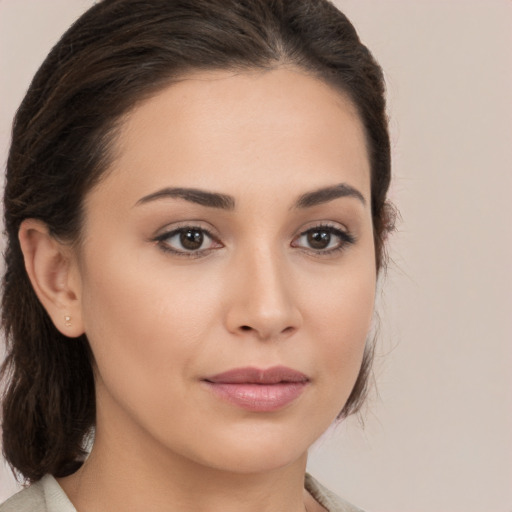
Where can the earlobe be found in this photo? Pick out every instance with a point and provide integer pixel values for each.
(49, 264)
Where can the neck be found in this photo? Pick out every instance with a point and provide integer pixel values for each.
(149, 477)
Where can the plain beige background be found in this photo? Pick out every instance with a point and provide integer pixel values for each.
(438, 437)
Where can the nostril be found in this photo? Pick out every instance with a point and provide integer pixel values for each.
(245, 328)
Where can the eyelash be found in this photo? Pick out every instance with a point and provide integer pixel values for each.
(344, 236)
(160, 240)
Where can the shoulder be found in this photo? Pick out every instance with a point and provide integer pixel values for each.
(30, 499)
(43, 496)
(327, 498)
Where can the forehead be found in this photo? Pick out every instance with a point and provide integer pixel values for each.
(227, 129)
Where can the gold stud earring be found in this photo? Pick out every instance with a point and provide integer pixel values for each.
(67, 321)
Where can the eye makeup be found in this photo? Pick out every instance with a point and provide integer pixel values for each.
(195, 241)
(192, 240)
(324, 239)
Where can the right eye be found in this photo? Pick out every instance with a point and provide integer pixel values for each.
(324, 239)
(187, 241)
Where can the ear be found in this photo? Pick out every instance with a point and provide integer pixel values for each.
(53, 272)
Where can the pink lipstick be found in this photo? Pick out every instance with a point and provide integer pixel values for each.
(259, 390)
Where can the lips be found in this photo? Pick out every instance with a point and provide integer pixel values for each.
(258, 390)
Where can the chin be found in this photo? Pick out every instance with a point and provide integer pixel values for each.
(253, 461)
(260, 449)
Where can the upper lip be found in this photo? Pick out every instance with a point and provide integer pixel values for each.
(250, 375)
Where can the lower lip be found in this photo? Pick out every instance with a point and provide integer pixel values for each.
(259, 397)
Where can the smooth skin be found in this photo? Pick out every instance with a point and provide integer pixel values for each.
(260, 279)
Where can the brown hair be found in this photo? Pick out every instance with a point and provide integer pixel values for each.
(118, 53)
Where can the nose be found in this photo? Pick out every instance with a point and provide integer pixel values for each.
(262, 299)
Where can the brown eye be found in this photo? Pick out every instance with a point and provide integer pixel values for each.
(323, 239)
(318, 239)
(188, 241)
(191, 239)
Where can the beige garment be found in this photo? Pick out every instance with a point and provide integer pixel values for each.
(47, 496)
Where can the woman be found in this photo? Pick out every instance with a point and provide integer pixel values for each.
(196, 209)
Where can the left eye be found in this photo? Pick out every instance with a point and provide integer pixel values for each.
(323, 239)
(187, 240)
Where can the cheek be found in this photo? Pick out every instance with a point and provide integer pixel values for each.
(142, 324)
(339, 318)
(342, 301)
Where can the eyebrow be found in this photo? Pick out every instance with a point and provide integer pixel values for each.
(193, 195)
(326, 194)
(226, 202)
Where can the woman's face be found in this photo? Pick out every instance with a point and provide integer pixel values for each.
(227, 272)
